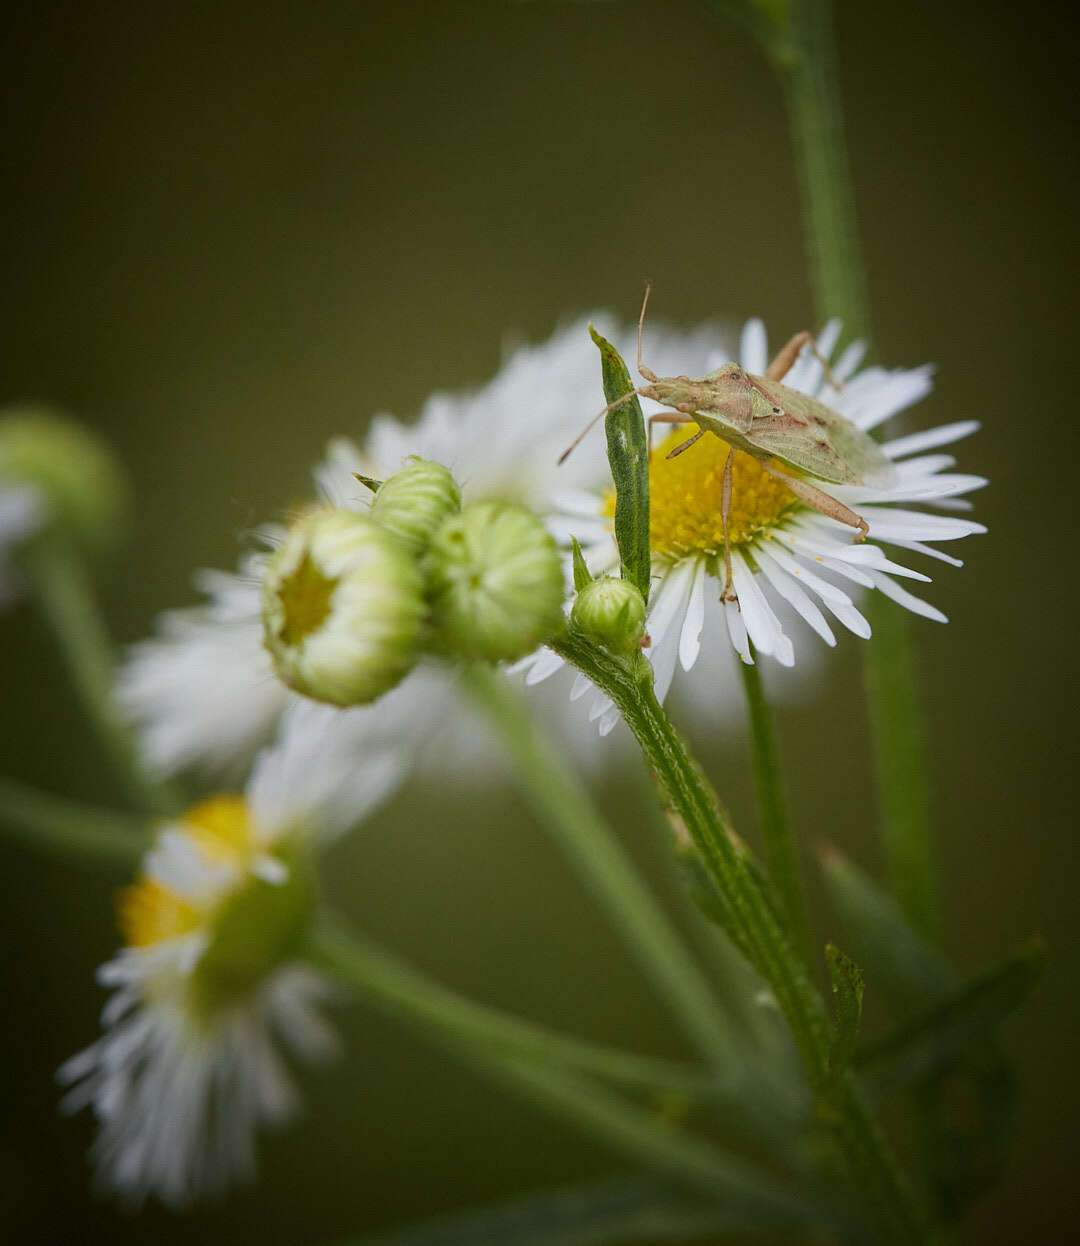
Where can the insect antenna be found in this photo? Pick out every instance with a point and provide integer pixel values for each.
(610, 407)
(647, 373)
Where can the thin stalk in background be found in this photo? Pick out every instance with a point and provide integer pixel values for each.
(781, 852)
(61, 590)
(568, 814)
(70, 830)
(530, 1060)
(752, 920)
(803, 53)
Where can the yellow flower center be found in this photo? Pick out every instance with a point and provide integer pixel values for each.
(149, 911)
(686, 495)
(305, 601)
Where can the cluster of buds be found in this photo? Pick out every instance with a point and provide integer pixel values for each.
(351, 601)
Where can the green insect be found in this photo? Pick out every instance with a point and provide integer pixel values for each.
(773, 424)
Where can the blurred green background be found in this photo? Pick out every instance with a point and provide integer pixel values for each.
(234, 230)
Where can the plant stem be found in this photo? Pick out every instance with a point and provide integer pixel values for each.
(758, 932)
(68, 829)
(596, 854)
(537, 1063)
(807, 68)
(781, 853)
(62, 591)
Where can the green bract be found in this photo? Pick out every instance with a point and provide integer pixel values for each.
(612, 612)
(259, 926)
(342, 608)
(81, 484)
(495, 582)
(414, 501)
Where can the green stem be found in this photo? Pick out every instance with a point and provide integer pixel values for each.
(806, 64)
(569, 815)
(61, 589)
(69, 829)
(781, 853)
(757, 930)
(535, 1062)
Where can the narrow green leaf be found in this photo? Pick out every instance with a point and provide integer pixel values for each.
(931, 1041)
(581, 571)
(628, 454)
(847, 985)
(631, 1210)
(962, 1157)
(369, 482)
(907, 970)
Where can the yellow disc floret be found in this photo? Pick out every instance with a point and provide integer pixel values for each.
(149, 911)
(685, 497)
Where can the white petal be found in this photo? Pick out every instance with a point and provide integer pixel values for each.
(754, 347)
(918, 548)
(690, 637)
(664, 623)
(582, 684)
(545, 665)
(761, 622)
(915, 604)
(888, 522)
(837, 602)
(929, 439)
(850, 358)
(793, 593)
(737, 631)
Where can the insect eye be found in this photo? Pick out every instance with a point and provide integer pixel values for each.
(776, 410)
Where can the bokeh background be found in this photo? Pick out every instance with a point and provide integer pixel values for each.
(234, 230)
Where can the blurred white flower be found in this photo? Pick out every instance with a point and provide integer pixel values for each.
(202, 692)
(208, 985)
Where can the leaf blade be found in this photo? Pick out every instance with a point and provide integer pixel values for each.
(628, 455)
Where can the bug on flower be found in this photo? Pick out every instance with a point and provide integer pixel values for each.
(771, 422)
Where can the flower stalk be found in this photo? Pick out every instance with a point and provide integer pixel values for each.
(70, 830)
(61, 589)
(562, 803)
(757, 929)
(548, 1069)
(803, 55)
(781, 852)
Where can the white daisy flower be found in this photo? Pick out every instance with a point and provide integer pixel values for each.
(202, 692)
(207, 986)
(789, 562)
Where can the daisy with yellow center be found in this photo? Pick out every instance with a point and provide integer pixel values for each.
(208, 985)
(789, 562)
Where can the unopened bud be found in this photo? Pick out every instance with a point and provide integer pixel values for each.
(496, 582)
(414, 501)
(79, 484)
(611, 611)
(342, 608)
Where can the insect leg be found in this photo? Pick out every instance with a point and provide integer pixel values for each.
(666, 417)
(685, 445)
(610, 407)
(725, 510)
(821, 501)
(786, 356)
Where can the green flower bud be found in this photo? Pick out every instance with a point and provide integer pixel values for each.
(81, 484)
(414, 501)
(611, 611)
(496, 582)
(343, 608)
